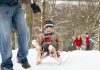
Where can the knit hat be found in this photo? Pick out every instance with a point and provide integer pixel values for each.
(86, 33)
(48, 23)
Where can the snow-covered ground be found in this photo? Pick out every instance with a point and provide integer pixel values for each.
(74, 60)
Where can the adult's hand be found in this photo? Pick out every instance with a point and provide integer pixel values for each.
(35, 8)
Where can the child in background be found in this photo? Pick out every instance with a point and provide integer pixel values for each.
(78, 42)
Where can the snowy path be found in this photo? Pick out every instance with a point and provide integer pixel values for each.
(75, 60)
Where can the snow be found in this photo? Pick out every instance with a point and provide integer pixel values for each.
(73, 60)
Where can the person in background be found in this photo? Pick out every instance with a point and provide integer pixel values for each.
(78, 42)
(88, 41)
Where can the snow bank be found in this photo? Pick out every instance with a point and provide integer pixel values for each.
(74, 60)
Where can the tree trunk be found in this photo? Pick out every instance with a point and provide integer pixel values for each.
(43, 12)
(99, 37)
(15, 41)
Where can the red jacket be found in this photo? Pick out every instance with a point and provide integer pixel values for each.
(78, 42)
(87, 41)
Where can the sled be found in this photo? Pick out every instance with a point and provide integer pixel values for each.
(46, 54)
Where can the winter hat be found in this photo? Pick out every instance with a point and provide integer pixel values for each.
(86, 33)
(48, 23)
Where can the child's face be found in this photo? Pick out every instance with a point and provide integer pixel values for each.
(79, 36)
(49, 29)
(86, 35)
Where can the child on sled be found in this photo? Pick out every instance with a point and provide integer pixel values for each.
(50, 43)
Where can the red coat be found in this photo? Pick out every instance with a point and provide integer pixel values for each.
(78, 42)
(87, 41)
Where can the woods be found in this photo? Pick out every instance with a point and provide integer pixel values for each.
(71, 17)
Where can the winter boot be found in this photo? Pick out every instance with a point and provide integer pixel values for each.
(26, 65)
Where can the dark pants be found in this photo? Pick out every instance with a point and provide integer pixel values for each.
(45, 48)
(87, 47)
